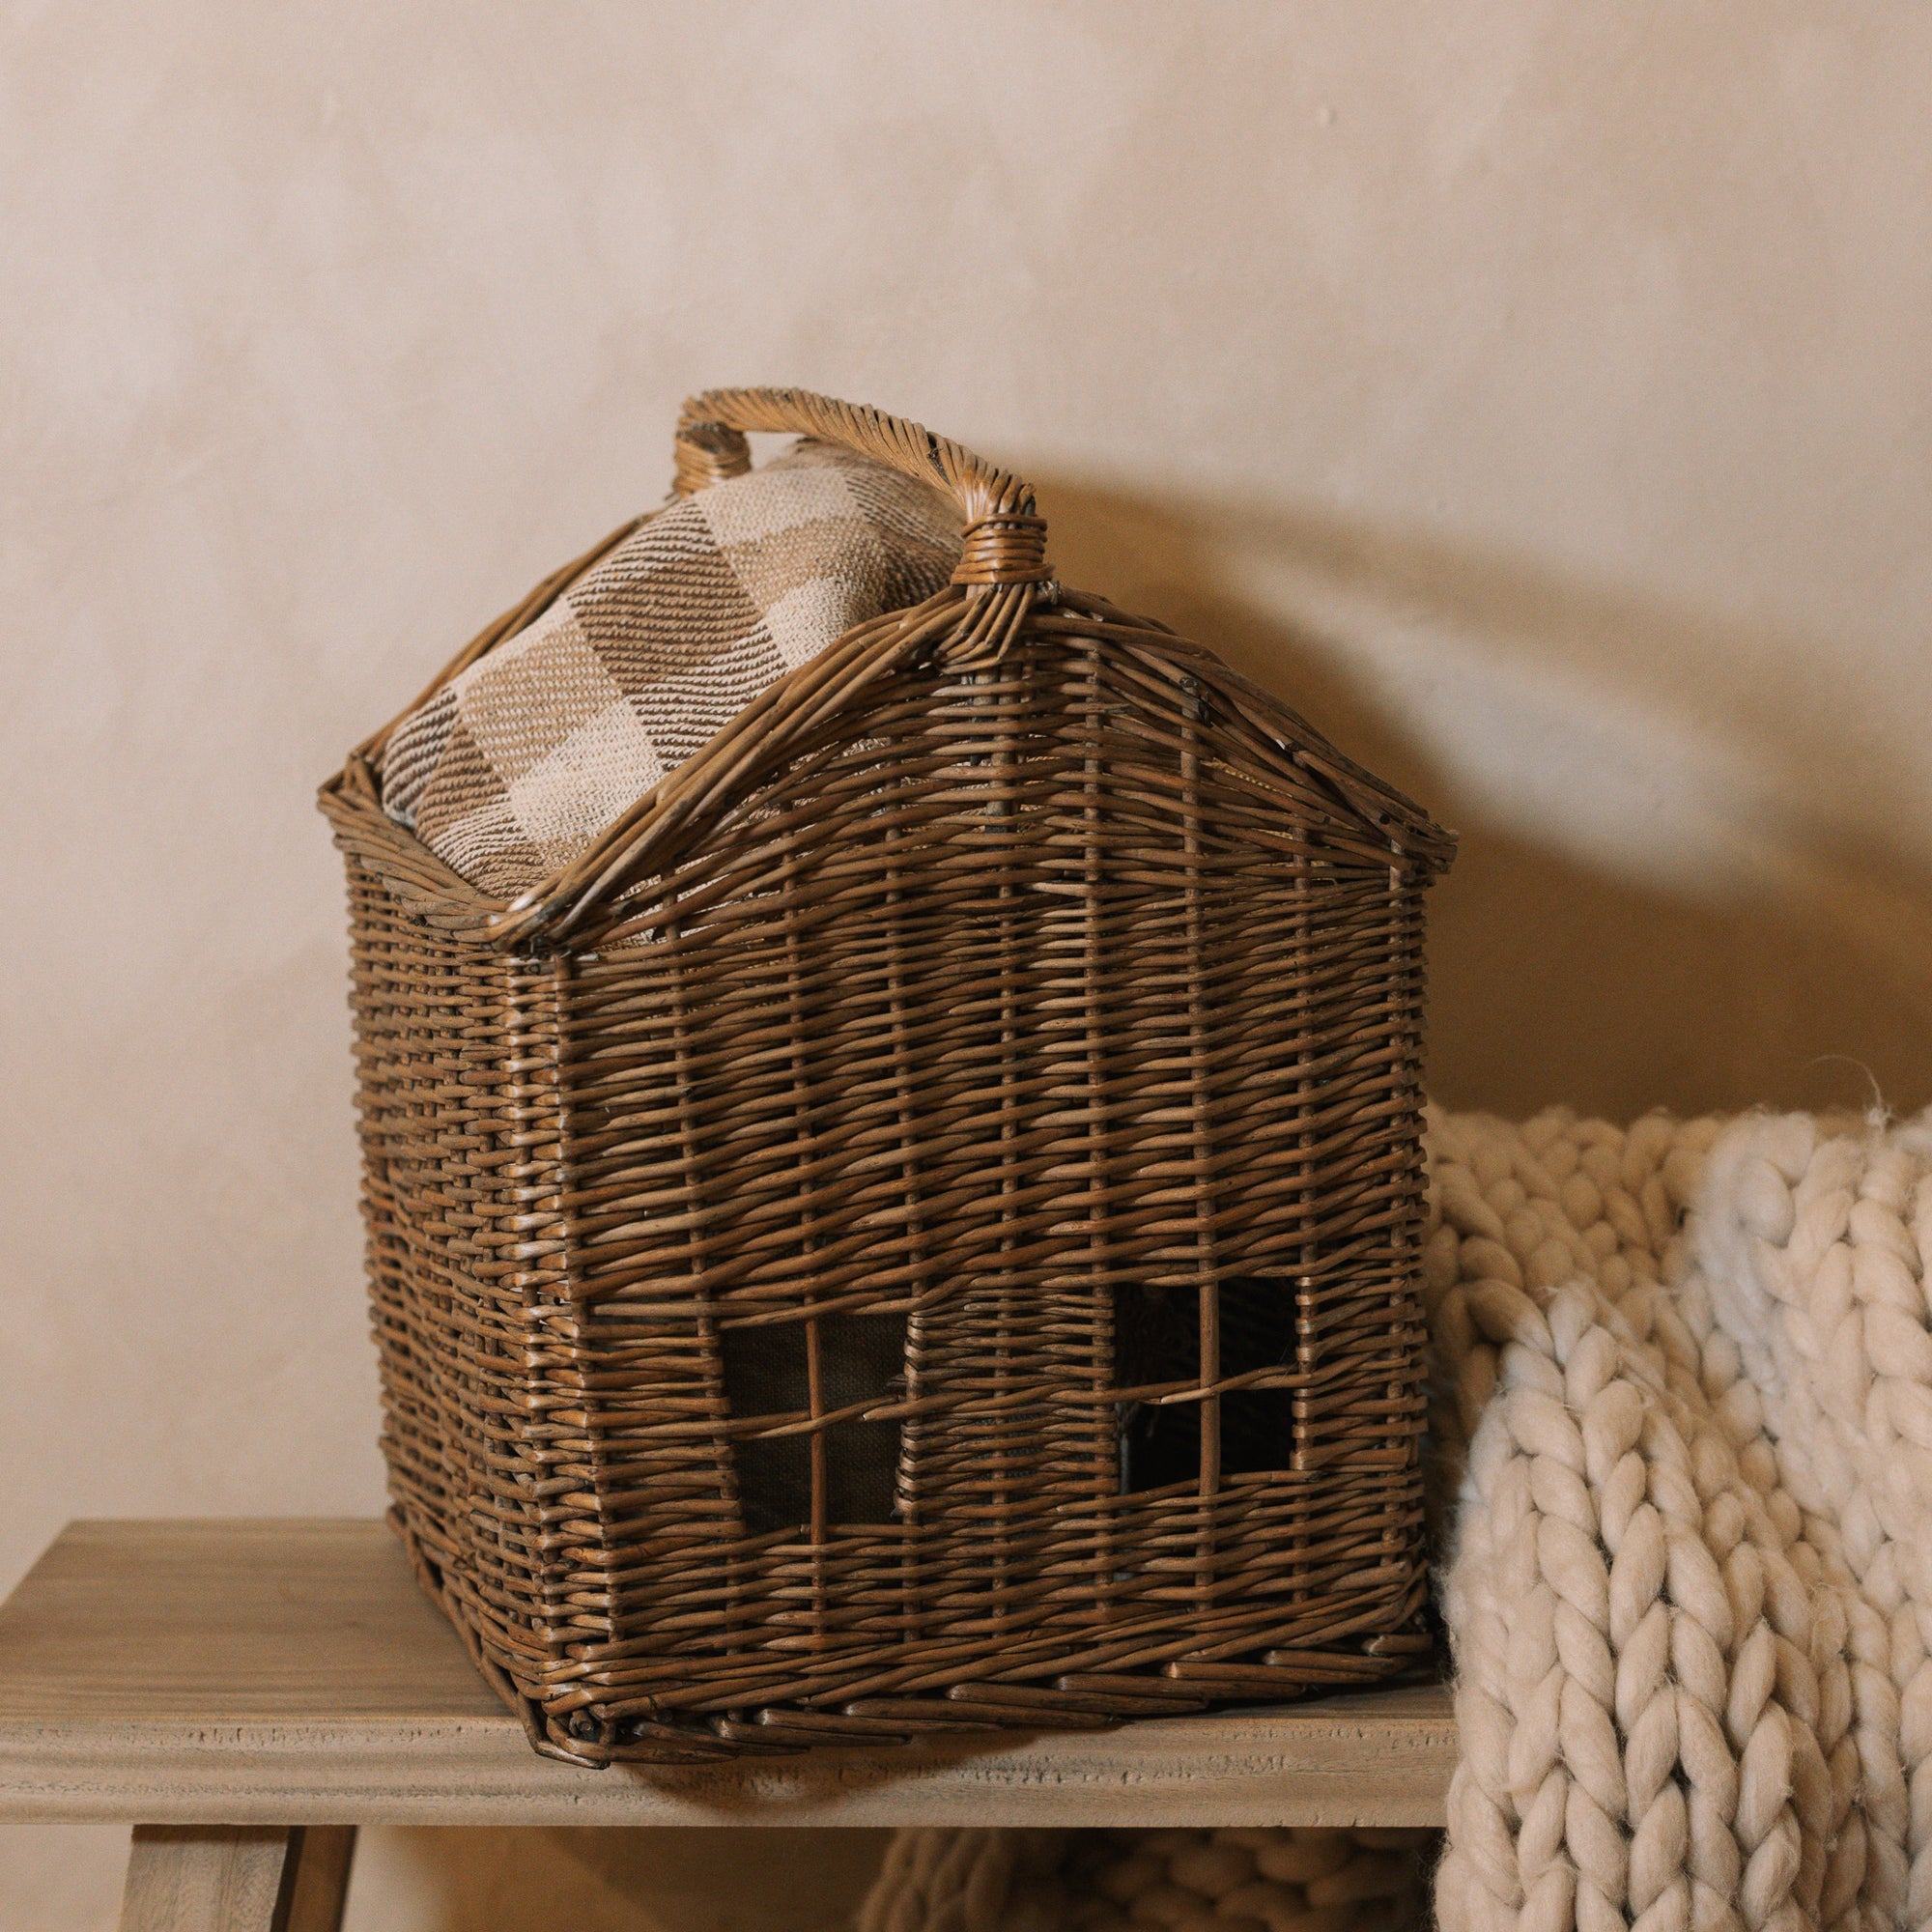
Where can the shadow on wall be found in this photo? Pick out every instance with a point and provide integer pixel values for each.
(1676, 884)
(590, 1880)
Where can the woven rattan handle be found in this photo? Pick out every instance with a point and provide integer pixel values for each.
(1004, 539)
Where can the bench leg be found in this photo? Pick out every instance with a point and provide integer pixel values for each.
(237, 1878)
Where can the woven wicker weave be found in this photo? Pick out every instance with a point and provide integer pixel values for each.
(916, 1228)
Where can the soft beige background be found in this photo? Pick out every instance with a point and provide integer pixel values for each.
(1538, 392)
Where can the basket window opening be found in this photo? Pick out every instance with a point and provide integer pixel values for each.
(767, 1373)
(1157, 1339)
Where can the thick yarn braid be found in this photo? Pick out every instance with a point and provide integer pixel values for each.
(1176, 1881)
(1688, 1577)
(968, 1881)
(1682, 1474)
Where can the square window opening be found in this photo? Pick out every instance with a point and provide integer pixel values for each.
(1157, 1339)
(766, 1373)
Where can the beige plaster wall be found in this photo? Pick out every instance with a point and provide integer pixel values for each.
(1534, 391)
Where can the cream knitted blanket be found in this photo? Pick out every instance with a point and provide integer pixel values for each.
(1682, 1440)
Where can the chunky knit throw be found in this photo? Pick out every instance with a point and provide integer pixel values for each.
(1232, 1881)
(510, 770)
(1681, 1444)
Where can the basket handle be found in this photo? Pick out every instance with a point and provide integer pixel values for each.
(1005, 535)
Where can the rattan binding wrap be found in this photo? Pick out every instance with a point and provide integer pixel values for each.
(915, 1229)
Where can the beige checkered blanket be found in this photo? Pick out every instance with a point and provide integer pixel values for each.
(513, 768)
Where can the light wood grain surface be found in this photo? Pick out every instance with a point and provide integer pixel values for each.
(290, 1672)
(237, 1878)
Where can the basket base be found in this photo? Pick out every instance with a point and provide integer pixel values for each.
(1074, 1702)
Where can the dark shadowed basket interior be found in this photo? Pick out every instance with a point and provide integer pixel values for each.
(918, 1226)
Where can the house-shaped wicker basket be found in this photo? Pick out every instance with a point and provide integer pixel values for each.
(917, 1228)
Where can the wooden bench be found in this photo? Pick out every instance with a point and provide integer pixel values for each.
(247, 1693)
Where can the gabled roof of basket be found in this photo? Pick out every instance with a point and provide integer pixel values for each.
(1003, 586)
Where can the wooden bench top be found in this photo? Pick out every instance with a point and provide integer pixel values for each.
(289, 1671)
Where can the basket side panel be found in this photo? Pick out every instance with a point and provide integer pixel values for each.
(413, 1424)
(456, 1057)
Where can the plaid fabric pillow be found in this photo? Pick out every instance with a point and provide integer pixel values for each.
(514, 767)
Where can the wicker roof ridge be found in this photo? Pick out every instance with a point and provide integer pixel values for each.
(444, 897)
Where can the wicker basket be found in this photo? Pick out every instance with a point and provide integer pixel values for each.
(917, 1228)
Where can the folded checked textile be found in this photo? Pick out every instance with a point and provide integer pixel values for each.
(510, 770)
(1681, 1459)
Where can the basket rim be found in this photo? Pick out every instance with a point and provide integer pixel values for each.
(964, 625)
